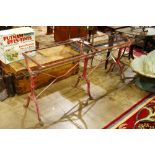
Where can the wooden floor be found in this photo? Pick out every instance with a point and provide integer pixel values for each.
(64, 107)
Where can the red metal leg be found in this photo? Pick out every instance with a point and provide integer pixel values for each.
(32, 95)
(37, 107)
(28, 102)
(117, 62)
(88, 88)
(84, 75)
(32, 86)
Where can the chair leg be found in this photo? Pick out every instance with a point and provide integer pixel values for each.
(107, 59)
(111, 67)
(131, 52)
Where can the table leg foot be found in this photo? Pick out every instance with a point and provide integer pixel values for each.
(41, 122)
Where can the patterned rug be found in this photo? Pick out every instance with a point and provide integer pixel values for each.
(138, 52)
(139, 116)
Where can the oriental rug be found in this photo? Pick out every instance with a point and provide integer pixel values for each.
(140, 116)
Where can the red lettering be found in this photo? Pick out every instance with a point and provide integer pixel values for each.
(20, 36)
(14, 37)
(9, 41)
(15, 40)
(5, 38)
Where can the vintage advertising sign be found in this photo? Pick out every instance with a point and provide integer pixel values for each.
(14, 42)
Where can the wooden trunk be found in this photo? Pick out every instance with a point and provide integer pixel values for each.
(21, 76)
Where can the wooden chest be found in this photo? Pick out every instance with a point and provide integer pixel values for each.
(46, 56)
